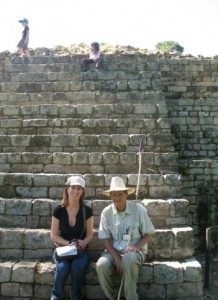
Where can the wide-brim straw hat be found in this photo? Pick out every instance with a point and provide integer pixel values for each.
(117, 184)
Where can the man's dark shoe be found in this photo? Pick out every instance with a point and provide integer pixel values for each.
(24, 59)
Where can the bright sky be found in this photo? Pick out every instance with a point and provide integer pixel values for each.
(139, 23)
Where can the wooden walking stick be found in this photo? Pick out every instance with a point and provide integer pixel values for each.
(122, 280)
(141, 149)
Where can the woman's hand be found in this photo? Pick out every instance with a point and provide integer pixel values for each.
(81, 244)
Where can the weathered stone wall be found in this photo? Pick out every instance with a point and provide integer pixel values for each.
(191, 90)
(190, 87)
(195, 126)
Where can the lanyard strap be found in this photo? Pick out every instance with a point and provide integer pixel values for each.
(84, 222)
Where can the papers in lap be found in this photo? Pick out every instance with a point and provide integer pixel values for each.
(66, 250)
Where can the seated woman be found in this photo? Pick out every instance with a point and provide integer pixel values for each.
(94, 57)
(68, 225)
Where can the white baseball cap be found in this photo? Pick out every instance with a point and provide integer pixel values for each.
(75, 180)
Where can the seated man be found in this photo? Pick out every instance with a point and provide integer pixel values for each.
(125, 229)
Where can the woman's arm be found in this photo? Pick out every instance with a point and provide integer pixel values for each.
(55, 237)
(89, 233)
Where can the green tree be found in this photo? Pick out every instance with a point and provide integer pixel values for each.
(169, 46)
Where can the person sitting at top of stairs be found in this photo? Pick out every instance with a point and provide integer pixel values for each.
(94, 57)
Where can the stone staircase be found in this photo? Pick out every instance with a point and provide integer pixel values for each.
(56, 121)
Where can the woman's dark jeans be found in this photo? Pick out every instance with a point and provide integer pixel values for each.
(86, 63)
(77, 268)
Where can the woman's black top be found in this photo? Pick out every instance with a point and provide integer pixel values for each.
(71, 232)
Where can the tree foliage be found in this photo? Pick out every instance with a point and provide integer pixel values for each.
(169, 46)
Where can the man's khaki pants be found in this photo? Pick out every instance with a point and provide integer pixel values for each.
(131, 262)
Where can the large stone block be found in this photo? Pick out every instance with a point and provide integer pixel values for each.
(128, 158)
(5, 271)
(2, 206)
(183, 237)
(37, 239)
(12, 253)
(41, 207)
(34, 192)
(99, 205)
(146, 273)
(10, 289)
(152, 291)
(185, 289)
(104, 140)
(24, 271)
(38, 141)
(62, 158)
(34, 222)
(95, 158)
(40, 254)
(111, 157)
(44, 273)
(159, 192)
(26, 290)
(168, 272)
(18, 207)
(48, 180)
(178, 207)
(162, 243)
(87, 140)
(157, 207)
(11, 238)
(192, 270)
(62, 86)
(42, 292)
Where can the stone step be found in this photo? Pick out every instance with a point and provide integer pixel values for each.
(155, 109)
(30, 185)
(77, 97)
(158, 280)
(25, 243)
(19, 67)
(157, 142)
(46, 60)
(71, 125)
(89, 162)
(70, 82)
(61, 82)
(123, 60)
(36, 213)
(74, 64)
(102, 79)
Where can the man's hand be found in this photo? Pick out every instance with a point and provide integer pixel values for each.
(130, 248)
(117, 260)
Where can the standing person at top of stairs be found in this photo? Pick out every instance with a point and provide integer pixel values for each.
(125, 229)
(94, 57)
(66, 227)
(23, 43)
